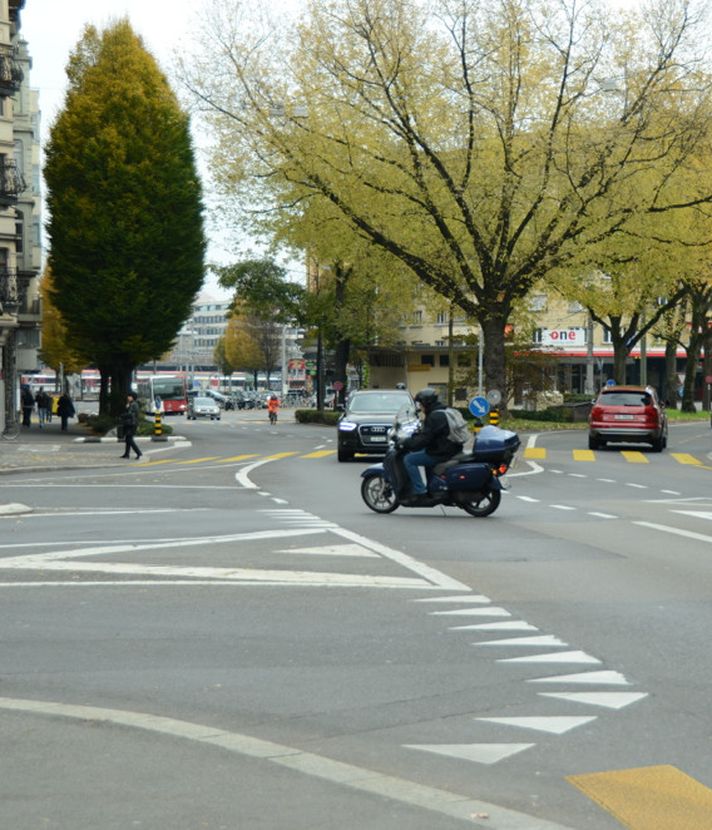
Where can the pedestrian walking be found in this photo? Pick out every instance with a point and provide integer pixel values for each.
(44, 406)
(129, 421)
(65, 409)
(28, 404)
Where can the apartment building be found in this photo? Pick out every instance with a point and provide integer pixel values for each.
(580, 353)
(19, 209)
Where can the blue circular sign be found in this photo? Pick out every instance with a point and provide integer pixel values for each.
(479, 406)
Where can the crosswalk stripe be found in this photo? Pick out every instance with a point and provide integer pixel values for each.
(635, 457)
(538, 453)
(685, 458)
(319, 454)
(584, 455)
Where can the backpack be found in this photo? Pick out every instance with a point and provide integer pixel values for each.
(459, 431)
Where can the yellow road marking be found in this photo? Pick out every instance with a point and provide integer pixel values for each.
(634, 457)
(238, 457)
(159, 461)
(685, 458)
(319, 453)
(584, 455)
(535, 452)
(279, 455)
(199, 460)
(649, 797)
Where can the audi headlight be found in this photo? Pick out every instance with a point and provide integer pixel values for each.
(347, 426)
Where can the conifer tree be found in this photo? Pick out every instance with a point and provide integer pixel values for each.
(126, 227)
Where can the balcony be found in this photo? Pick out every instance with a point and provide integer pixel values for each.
(11, 74)
(12, 182)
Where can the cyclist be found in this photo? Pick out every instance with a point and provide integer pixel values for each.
(273, 408)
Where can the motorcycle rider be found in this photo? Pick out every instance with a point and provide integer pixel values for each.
(430, 445)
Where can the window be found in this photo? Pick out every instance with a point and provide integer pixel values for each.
(607, 336)
(444, 359)
(427, 360)
(537, 336)
(441, 318)
(418, 317)
(538, 302)
(575, 306)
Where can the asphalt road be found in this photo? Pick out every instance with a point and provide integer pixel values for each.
(225, 637)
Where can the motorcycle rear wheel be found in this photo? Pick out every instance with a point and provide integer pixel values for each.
(484, 506)
(378, 494)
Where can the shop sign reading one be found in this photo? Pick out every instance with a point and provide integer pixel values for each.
(563, 337)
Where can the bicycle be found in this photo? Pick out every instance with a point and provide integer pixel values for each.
(11, 430)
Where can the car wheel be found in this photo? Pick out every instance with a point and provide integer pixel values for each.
(659, 444)
(344, 455)
(593, 443)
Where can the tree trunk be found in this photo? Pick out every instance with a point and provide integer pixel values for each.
(620, 358)
(104, 403)
(341, 359)
(494, 358)
(120, 386)
(670, 388)
(691, 361)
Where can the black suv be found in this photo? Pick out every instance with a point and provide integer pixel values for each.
(364, 425)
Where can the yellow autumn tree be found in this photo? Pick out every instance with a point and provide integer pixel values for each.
(56, 351)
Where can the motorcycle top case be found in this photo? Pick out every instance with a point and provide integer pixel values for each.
(472, 477)
(495, 445)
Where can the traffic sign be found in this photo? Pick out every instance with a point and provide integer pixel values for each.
(494, 396)
(479, 406)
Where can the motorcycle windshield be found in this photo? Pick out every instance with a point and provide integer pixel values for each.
(405, 415)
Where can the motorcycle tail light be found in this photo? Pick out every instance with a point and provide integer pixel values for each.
(502, 469)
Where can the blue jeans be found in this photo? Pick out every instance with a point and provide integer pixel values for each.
(413, 461)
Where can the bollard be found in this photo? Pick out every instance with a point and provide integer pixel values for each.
(476, 426)
(494, 417)
(157, 424)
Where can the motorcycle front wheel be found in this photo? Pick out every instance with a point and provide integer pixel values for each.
(483, 506)
(378, 494)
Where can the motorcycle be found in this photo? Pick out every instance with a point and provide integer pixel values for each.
(471, 481)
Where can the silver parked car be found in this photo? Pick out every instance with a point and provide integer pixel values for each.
(199, 407)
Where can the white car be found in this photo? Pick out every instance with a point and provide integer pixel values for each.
(203, 408)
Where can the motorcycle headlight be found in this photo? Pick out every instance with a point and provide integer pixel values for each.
(347, 426)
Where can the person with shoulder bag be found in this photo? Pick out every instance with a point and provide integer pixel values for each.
(129, 421)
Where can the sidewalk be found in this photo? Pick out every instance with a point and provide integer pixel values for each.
(38, 450)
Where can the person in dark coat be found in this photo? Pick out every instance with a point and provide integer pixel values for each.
(65, 409)
(431, 444)
(129, 420)
(28, 404)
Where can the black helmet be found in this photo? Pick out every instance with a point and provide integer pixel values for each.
(427, 398)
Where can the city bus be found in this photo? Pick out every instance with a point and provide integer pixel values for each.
(167, 391)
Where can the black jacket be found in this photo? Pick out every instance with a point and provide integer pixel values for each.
(433, 435)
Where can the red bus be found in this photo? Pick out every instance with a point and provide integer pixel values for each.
(169, 392)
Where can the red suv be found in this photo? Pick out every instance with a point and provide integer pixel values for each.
(628, 413)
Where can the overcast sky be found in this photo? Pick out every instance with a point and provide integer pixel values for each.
(52, 29)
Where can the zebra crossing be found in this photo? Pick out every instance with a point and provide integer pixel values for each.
(629, 456)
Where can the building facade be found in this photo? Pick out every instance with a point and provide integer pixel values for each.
(20, 248)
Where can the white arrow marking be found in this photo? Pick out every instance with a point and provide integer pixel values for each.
(468, 598)
(611, 700)
(606, 678)
(554, 657)
(509, 625)
(543, 640)
(333, 550)
(694, 514)
(556, 725)
(479, 753)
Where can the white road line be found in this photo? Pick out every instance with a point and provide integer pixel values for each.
(529, 499)
(342, 774)
(607, 480)
(562, 507)
(601, 515)
(671, 492)
(676, 531)
(637, 486)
